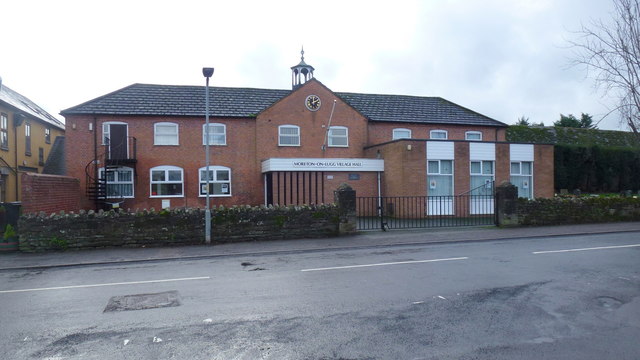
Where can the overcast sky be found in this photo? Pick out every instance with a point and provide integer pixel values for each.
(502, 58)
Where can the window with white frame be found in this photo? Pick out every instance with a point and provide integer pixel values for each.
(217, 134)
(401, 134)
(219, 181)
(473, 135)
(27, 139)
(4, 131)
(288, 135)
(438, 134)
(338, 136)
(440, 177)
(119, 182)
(167, 181)
(165, 133)
(106, 130)
(521, 177)
(482, 177)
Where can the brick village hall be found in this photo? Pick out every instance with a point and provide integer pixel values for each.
(143, 146)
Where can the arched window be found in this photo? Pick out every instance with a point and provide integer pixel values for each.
(401, 134)
(165, 133)
(217, 134)
(288, 135)
(473, 135)
(438, 134)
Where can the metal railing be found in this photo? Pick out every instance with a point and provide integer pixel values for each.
(403, 212)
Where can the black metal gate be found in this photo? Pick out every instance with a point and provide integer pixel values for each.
(403, 212)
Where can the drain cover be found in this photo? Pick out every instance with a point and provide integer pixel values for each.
(143, 301)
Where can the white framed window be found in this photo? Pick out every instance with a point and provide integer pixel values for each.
(473, 135)
(217, 134)
(338, 136)
(106, 130)
(401, 134)
(438, 134)
(288, 135)
(440, 177)
(219, 181)
(165, 133)
(482, 177)
(119, 182)
(522, 177)
(166, 181)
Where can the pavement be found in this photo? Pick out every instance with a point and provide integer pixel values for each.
(26, 261)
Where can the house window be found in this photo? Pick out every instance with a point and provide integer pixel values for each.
(401, 134)
(106, 132)
(27, 139)
(521, 177)
(440, 177)
(288, 135)
(40, 157)
(119, 182)
(4, 132)
(217, 134)
(482, 177)
(219, 181)
(473, 135)
(338, 136)
(438, 134)
(47, 136)
(167, 181)
(165, 133)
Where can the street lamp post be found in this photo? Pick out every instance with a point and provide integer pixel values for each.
(207, 72)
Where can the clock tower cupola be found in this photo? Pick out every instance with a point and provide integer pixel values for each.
(301, 73)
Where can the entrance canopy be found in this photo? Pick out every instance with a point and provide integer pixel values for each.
(322, 164)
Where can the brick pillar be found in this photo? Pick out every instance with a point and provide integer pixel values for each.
(345, 199)
(506, 204)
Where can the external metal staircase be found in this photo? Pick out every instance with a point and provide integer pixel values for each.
(97, 182)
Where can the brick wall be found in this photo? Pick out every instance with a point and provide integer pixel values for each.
(49, 193)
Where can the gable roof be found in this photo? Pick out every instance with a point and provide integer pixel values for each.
(26, 106)
(176, 100)
(415, 109)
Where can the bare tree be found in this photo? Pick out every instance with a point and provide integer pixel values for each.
(612, 52)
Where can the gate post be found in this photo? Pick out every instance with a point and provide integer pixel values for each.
(506, 208)
(345, 198)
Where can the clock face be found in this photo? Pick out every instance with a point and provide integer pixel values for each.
(313, 102)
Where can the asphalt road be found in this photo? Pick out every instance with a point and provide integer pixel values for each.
(545, 298)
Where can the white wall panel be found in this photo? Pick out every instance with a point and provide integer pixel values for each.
(440, 150)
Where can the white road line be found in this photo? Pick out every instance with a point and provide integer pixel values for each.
(107, 284)
(586, 249)
(384, 264)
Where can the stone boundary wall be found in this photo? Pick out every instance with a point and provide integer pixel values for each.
(49, 193)
(91, 230)
(512, 211)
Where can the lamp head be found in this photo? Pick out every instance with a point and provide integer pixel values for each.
(207, 72)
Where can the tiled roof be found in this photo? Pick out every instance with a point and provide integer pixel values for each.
(173, 100)
(27, 106)
(415, 109)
